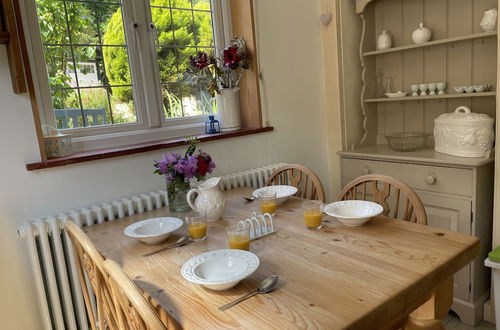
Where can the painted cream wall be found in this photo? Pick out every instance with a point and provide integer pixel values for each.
(293, 99)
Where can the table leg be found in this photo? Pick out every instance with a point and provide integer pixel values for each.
(429, 316)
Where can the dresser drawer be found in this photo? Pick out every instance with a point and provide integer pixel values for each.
(456, 181)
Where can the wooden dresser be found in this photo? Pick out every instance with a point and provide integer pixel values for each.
(457, 194)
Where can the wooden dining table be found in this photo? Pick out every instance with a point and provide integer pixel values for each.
(338, 277)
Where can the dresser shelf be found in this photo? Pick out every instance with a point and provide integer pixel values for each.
(434, 43)
(430, 97)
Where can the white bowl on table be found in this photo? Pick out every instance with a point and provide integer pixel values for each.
(282, 192)
(153, 231)
(353, 212)
(220, 269)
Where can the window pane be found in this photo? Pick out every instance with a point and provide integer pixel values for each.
(167, 61)
(180, 4)
(162, 20)
(95, 106)
(172, 100)
(183, 57)
(122, 105)
(66, 107)
(111, 25)
(184, 28)
(60, 66)
(53, 28)
(116, 65)
(183, 100)
(203, 29)
(82, 23)
(86, 66)
(87, 62)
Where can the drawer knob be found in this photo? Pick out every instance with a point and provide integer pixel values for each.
(366, 170)
(431, 179)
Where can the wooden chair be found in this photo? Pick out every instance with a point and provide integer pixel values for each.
(413, 208)
(90, 266)
(132, 310)
(306, 181)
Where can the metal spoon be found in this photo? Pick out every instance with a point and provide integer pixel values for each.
(180, 242)
(249, 199)
(265, 286)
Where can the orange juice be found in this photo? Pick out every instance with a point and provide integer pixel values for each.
(268, 207)
(313, 218)
(240, 242)
(197, 230)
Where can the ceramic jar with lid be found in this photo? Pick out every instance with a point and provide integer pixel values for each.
(384, 41)
(464, 133)
(57, 144)
(421, 35)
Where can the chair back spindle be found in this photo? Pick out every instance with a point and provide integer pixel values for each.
(132, 309)
(306, 181)
(89, 264)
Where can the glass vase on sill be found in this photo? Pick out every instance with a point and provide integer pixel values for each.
(177, 191)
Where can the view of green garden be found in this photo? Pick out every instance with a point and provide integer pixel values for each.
(87, 57)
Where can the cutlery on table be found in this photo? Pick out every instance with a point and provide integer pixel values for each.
(265, 286)
(180, 242)
(249, 199)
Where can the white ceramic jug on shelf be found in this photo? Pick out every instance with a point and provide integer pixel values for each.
(210, 199)
(489, 20)
(421, 35)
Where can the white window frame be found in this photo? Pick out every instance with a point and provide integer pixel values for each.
(151, 124)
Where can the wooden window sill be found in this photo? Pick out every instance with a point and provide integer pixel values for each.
(88, 156)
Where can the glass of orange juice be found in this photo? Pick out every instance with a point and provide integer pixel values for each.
(313, 214)
(197, 226)
(267, 201)
(238, 236)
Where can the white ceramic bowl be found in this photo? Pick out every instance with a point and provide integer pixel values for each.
(397, 94)
(220, 269)
(353, 212)
(152, 231)
(282, 192)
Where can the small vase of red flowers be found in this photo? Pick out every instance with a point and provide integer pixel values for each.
(222, 76)
(179, 169)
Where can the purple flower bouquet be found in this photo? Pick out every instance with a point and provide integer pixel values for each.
(178, 170)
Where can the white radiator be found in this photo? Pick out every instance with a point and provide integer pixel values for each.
(50, 253)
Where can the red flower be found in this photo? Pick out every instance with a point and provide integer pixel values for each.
(231, 57)
(199, 61)
(202, 165)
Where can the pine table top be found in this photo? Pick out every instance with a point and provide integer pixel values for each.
(338, 277)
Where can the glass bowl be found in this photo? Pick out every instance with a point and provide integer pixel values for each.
(406, 141)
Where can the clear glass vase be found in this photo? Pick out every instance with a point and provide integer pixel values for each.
(177, 191)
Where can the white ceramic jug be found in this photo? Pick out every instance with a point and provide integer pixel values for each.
(210, 199)
(489, 20)
(421, 35)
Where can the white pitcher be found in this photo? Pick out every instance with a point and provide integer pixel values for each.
(210, 199)
(489, 20)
